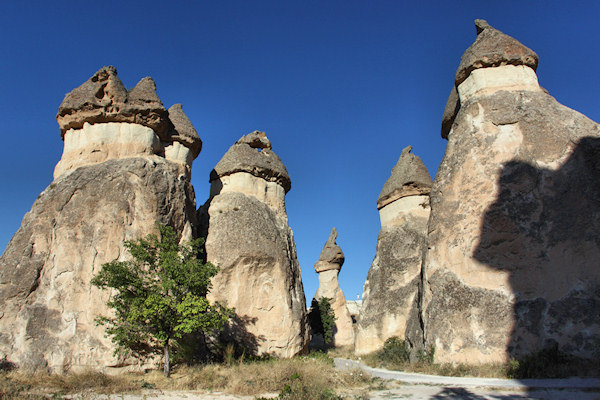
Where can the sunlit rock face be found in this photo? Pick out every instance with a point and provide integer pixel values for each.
(248, 237)
(328, 267)
(390, 295)
(512, 252)
(100, 120)
(112, 184)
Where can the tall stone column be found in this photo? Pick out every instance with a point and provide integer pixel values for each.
(328, 267)
(390, 297)
(125, 166)
(250, 240)
(512, 264)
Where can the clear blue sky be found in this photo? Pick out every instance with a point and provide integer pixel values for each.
(340, 88)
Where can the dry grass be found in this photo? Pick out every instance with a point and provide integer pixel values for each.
(18, 385)
(310, 377)
(531, 367)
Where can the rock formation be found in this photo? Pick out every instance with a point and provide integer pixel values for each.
(100, 120)
(126, 165)
(390, 295)
(328, 267)
(250, 240)
(514, 236)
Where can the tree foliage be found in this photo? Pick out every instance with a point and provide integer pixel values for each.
(322, 318)
(159, 296)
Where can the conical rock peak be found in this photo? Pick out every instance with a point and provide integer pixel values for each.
(408, 178)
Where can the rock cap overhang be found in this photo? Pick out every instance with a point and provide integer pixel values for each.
(252, 154)
(104, 98)
(493, 48)
(332, 256)
(409, 177)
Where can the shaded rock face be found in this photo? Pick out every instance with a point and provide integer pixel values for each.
(328, 267)
(115, 182)
(248, 237)
(513, 246)
(390, 304)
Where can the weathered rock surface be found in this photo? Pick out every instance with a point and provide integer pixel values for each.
(48, 305)
(103, 98)
(514, 241)
(390, 295)
(493, 48)
(328, 267)
(250, 240)
(100, 120)
(409, 177)
(252, 154)
(112, 184)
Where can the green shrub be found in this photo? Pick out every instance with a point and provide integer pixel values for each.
(426, 356)
(395, 350)
(546, 363)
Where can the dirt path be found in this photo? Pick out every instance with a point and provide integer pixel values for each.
(395, 391)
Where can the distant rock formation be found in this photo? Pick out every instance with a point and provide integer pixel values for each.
(390, 304)
(250, 240)
(514, 236)
(328, 267)
(116, 179)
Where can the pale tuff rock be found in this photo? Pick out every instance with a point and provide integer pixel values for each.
(390, 296)
(100, 120)
(78, 223)
(250, 240)
(328, 267)
(97, 143)
(113, 183)
(512, 253)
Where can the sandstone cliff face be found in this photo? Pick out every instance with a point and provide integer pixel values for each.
(513, 244)
(328, 267)
(78, 223)
(390, 296)
(250, 240)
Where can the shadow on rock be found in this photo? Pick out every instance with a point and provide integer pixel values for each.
(543, 231)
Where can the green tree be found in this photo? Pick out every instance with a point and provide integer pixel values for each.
(159, 296)
(322, 318)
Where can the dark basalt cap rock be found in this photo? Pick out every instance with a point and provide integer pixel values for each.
(409, 177)
(103, 98)
(183, 130)
(450, 111)
(252, 154)
(331, 254)
(493, 48)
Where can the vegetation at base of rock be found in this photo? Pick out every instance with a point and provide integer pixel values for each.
(395, 350)
(305, 377)
(547, 363)
(322, 318)
(160, 295)
(551, 363)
